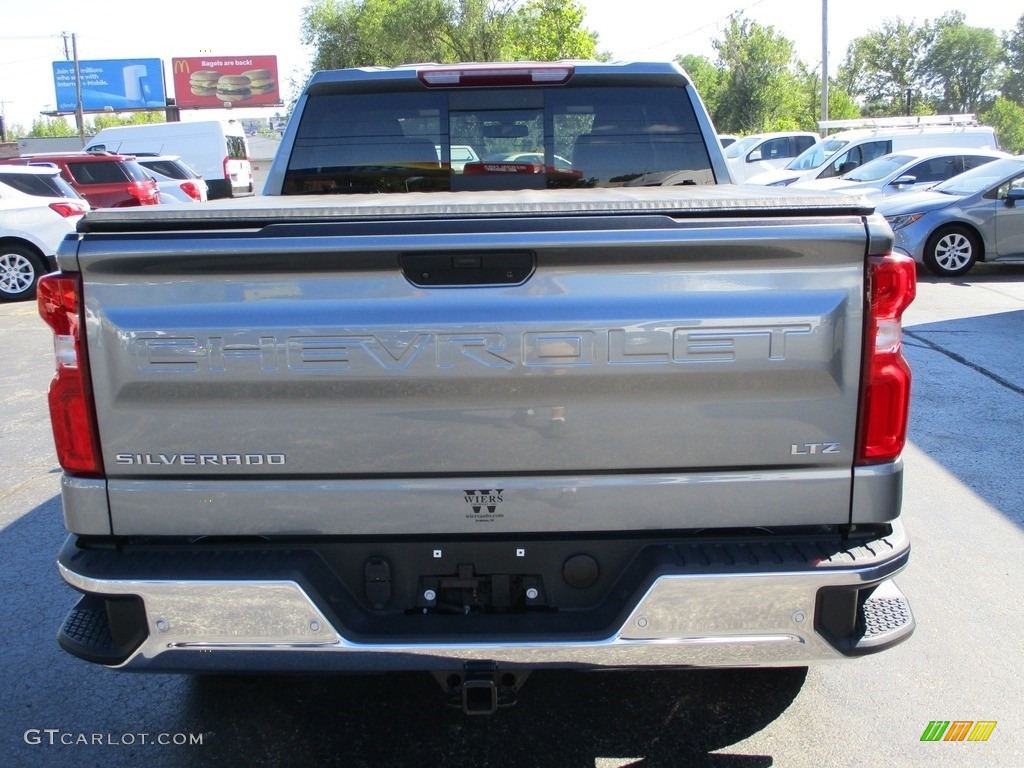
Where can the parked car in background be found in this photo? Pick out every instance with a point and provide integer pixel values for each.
(530, 158)
(218, 150)
(32, 225)
(104, 179)
(36, 181)
(763, 152)
(460, 155)
(913, 170)
(725, 139)
(869, 138)
(976, 216)
(176, 181)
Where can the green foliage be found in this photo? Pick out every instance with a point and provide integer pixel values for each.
(50, 128)
(841, 105)
(944, 66)
(1013, 86)
(357, 33)
(59, 127)
(372, 32)
(964, 65)
(881, 66)
(760, 87)
(1007, 117)
(549, 30)
(706, 78)
(15, 131)
(99, 122)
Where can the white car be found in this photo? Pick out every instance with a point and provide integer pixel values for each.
(845, 151)
(460, 155)
(37, 209)
(176, 182)
(912, 170)
(532, 158)
(763, 152)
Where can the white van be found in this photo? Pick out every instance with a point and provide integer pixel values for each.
(842, 152)
(763, 152)
(217, 150)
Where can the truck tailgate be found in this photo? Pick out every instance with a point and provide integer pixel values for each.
(478, 375)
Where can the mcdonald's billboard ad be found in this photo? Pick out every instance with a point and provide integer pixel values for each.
(232, 81)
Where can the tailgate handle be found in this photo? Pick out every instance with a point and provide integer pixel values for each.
(437, 270)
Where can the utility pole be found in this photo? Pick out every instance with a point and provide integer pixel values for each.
(824, 59)
(70, 55)
(79, 113)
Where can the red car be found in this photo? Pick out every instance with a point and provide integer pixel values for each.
(105, 180)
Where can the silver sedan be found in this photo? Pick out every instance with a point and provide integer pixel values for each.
(975, 216)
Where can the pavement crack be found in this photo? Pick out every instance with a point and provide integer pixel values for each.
(921, 339)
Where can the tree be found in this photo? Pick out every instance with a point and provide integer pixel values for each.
(1007, 117)
(548, 30)
(964, 65)
(883, 65)
(841, 105)
(706, 78)
(1013, 86)
(135, 118)
(760, 90)
(372, 32)
(51, 127)
(354, 33)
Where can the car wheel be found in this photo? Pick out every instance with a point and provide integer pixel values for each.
(951, 251)
(20, 270)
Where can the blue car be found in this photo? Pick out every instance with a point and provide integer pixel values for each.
(975, 216)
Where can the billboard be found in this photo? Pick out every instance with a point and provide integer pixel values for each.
(111, 85)
(217, 82)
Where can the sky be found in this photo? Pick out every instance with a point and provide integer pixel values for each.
(31, 35)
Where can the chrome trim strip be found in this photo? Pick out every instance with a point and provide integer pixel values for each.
(439, 506)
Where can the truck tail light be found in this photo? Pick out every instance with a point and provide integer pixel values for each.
(72, 413)
(885, 391)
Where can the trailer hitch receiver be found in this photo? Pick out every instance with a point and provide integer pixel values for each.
(480, 688)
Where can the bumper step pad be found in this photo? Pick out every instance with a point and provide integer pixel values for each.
(103, 630)
(885, 618)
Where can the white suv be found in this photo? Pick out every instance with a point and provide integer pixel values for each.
(176, 181)
(37, 209)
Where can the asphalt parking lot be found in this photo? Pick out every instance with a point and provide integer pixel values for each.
(963, 506)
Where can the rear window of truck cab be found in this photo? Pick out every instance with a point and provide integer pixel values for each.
(523, 138)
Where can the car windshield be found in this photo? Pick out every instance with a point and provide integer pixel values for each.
(981, 178)
(878, 168)
(741, 147)
(817, 154)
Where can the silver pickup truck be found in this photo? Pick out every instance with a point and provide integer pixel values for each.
(580, 402)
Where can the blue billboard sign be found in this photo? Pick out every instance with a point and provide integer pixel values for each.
(114, 85)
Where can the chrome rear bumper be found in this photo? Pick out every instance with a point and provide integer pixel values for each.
(823, 612)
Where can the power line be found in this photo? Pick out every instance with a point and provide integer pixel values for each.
(709, 25)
